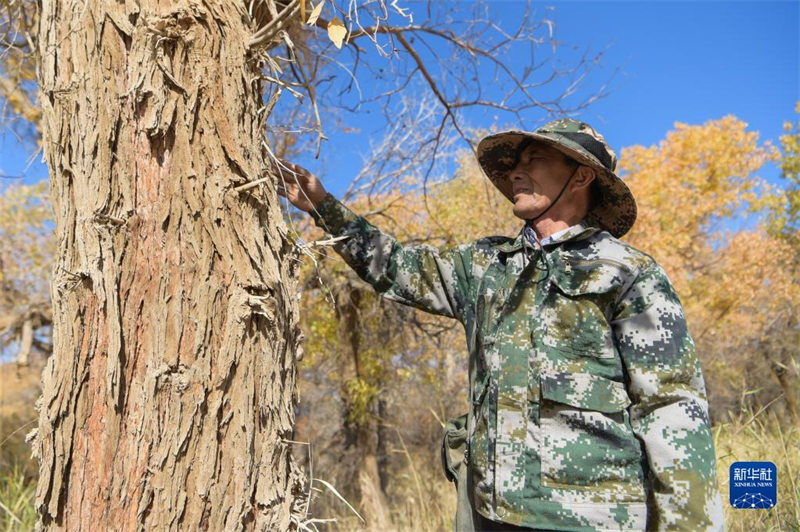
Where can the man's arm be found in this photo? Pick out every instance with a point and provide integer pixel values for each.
(419, 276)
(669, 411)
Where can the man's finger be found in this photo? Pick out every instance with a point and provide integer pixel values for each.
(290, 175)
(285, 166)
(295, 170)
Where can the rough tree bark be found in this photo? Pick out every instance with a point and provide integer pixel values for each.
(169, 398)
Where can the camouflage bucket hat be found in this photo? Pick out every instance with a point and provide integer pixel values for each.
(615, 208)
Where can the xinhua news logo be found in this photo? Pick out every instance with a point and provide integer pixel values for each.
(754, 485)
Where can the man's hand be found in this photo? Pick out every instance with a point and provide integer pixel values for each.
(299, 186)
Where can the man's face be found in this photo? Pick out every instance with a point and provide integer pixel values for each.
(537, 179)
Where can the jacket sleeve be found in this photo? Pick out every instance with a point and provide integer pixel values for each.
(419, 276)
(669, 410)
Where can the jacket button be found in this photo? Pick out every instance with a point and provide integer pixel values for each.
(501, 512)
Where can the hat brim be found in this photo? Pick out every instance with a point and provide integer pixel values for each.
(615, 208)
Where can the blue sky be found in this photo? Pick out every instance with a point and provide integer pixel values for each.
(686, 61)
(690, 62)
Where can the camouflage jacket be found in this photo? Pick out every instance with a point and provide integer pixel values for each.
(588, 405)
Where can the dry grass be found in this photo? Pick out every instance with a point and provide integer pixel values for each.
(16, 501)
(761, 438)
(433, 511)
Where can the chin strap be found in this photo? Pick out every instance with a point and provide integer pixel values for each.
(529, 232)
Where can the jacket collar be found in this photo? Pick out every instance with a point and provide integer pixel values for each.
(580, 230)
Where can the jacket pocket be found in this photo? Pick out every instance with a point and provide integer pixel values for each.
(580, 339)
(576, 309)
(575, 325)
(587, 443)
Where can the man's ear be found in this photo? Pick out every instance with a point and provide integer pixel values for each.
(583, 177)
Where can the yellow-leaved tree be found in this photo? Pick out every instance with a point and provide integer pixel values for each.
(785, 219)
(27, 248)
(702, 216)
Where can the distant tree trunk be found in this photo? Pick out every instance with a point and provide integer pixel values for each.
(780, 353)
(383, 445)
(359, 434)
(169, 398)
(25, 343)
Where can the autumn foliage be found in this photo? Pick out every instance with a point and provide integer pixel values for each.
(703, 210)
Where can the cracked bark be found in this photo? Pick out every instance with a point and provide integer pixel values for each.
(170, 394)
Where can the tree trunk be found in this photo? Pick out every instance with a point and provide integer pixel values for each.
(359, 434)
(781, 356)
(383, 445)
(25, 343)
(169, 398)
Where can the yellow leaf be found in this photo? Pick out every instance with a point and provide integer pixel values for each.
(336, 32)
(312, 18)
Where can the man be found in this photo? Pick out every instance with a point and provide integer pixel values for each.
(588, 407)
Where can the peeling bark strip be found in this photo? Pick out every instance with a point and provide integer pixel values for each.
(170, 392)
